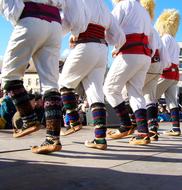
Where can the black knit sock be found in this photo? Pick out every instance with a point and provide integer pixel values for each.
(152, 112)
(122, 113)
(141, 119)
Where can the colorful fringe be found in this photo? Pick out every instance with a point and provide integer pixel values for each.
(53, 113)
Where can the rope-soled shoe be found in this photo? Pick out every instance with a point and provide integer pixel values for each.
(17, 133)
(154, 136)
(173, 133)
(121, 132)
(94, 144)
(71, 130)
(47, 147)
(139, 140)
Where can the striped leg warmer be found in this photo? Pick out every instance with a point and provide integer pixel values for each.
(53, 114)
(175, 119)
(152, 111)
(122, 112)
(22, 103)
(141, 120)
(70, 104)
(99, 120)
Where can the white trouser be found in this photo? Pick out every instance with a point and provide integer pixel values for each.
(39, 39)
(129, 70)
(87, 63)
(150, 86)
(169, 88)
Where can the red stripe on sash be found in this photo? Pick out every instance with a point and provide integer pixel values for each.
(136, 44)
(41, 11)
(93, 31)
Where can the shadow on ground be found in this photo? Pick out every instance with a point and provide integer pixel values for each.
(31, 175)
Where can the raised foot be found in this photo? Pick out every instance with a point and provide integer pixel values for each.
(26, 131)
(71, 130)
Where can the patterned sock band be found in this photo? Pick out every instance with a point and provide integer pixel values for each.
(152, 112)
(19, 97)
(99, 120)
(122, 112)
(141, 120)
(100, 134)
(22, 103)
(74, 118)
(29, 120)
(175, 119)
(70, 104)
(100, 141)
(68, 98)
(98, 113)
(51, 140)
(53, 113)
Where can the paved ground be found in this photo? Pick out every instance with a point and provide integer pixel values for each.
(157, 166)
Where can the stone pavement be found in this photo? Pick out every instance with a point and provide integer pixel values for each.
(157, 166)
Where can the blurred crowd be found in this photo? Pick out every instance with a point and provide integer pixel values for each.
(10, 118)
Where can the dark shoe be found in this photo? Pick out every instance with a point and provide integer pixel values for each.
(172, 133)
(121, 132)
(95, 145)
(139, 140)
(26, 131)
(71, 130)
(47, 147)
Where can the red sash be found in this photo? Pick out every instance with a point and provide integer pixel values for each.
(93, 31)
(41, 11)
(136, 44)
(171, 73)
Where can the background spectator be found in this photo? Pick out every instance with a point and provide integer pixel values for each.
(7, 111)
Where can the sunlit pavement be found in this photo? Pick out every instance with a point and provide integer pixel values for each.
(122, 166)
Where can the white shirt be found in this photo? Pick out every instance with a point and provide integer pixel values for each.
(74, 13)
(11, 9)
(75, 17)
(154, 42)
(164, 57)
(165, 60)
(133, 18)
(100, 14)
(172, 47)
